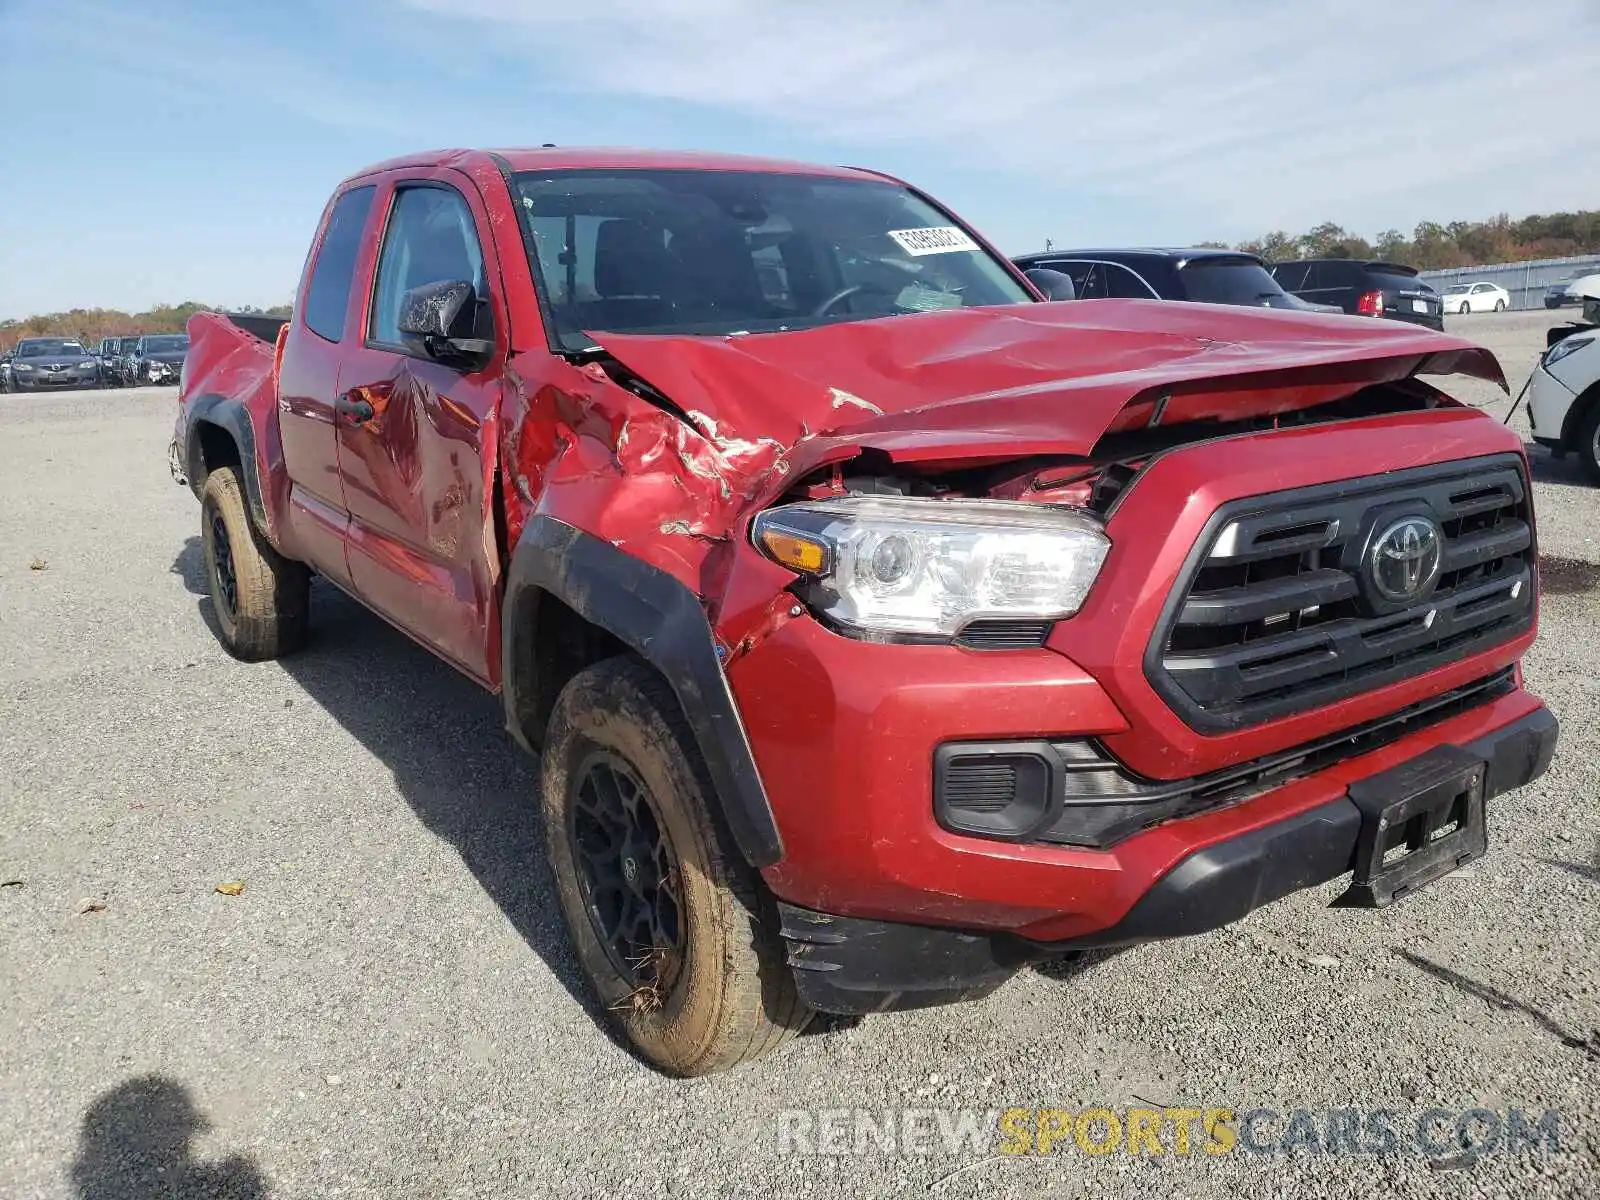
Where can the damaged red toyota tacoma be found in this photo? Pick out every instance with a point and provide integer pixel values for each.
(882, 626)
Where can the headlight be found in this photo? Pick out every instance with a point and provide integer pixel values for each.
(22, 366)
(879, 565)
(1563, 348)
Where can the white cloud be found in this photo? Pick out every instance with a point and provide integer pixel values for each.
(1254, 115)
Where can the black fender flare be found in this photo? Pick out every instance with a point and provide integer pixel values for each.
(233, 419)
(663, 622)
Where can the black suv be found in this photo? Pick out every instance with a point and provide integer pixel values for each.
(110, 352)
(1367, 289)
(1206, 276)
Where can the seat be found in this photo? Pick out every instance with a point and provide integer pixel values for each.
(634, 276)
(718, 271)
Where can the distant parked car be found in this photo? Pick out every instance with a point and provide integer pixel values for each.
(5, 372)
(158, 358)
(45, 364)
(110, 352)
(1560, 294)
(125, 357)
(1475, 297)
(1363, 288)
(1205, 276)
(1574, 289)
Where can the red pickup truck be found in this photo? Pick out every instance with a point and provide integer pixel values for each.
(883, 627)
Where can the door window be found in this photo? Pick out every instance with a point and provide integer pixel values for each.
(431, 238)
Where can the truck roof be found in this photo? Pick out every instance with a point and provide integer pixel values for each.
(614, 158)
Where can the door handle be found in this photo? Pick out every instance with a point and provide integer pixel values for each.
(352, 406)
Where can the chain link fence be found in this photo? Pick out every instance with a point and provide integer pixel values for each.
(1526, 281)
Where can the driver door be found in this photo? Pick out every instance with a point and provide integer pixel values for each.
(416, 436)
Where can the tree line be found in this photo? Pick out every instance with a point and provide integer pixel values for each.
(1433, 246)
(89, 325)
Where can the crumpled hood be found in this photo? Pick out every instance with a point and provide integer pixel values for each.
(1030, 378)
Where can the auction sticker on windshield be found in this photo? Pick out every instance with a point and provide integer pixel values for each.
(940, 239)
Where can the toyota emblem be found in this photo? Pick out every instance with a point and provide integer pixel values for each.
(1405, 559)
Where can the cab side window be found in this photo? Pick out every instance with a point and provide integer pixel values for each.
(431, 238)
(328, 293)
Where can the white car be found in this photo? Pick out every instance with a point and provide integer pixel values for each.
(1564, 393)
(1476, 297)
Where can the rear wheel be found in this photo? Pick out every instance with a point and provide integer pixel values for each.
(670, 926)
(259, 597)
(1499, 306)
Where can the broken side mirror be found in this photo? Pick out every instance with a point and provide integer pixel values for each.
(442, 321)
(1054, 284)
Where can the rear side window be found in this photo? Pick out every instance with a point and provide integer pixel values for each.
(1291, 276)
(328, 294)
(1123, 284)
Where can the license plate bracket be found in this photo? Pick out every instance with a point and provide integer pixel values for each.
(1419, 820)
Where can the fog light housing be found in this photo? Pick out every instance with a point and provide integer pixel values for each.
(992, 791)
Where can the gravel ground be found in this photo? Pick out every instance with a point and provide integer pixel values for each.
(388, 1007)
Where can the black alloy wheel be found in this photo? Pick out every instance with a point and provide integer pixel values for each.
(222, 565)
(627, 871)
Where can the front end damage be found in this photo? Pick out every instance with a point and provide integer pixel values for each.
(667, 446)
(1145, 421)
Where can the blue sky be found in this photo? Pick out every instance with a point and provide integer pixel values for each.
(163, 150)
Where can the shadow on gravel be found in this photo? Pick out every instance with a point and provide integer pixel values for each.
(1499, 999)
(1547, 468)
(1073, 964)
(1581, 870)
(442, 738)
(135, 1145)
(1567, 576)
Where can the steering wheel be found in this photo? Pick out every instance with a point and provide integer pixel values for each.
(844, 293)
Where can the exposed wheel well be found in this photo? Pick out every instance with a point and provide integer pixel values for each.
(560, 645)
(1572, 427)
(214, 447)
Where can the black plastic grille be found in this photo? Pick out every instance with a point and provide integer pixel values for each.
(992, 633)
(1277, 611)
(982, 785)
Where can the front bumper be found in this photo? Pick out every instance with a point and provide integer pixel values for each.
(1549, 401)
(855, 965)
(53, 381)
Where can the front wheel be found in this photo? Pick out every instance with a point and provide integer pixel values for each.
(260, 598)
(1465, 308)
(669, 924)
(1589, 443)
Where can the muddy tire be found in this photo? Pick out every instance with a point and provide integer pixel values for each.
(672, 929)
(1589, 442)
(260, 599)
